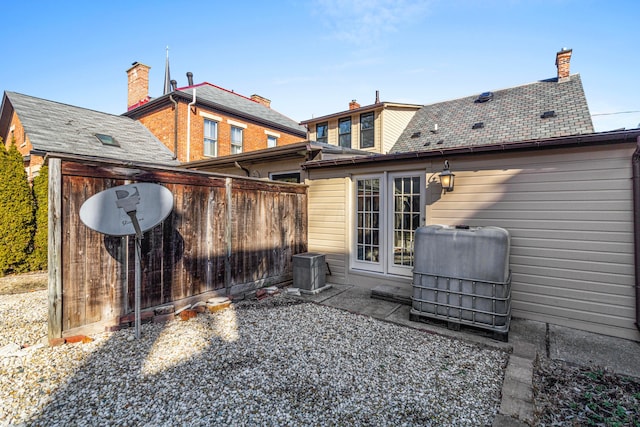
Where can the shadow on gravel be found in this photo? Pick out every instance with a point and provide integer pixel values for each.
(170, 376)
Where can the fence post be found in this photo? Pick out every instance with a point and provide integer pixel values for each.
(227, 235)
(55, 249)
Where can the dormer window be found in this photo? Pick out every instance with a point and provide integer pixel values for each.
(107, 140)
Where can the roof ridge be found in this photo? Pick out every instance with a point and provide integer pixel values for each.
(217, 87)
(62, 103)
(551, 79)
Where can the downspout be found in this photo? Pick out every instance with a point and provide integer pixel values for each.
(191, 104)
(236, 164)
(635, 169)
(175, 127)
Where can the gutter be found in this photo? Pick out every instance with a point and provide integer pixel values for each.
(555, 142)
(635, 177)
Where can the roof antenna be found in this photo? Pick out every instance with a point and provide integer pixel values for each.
(167, 75)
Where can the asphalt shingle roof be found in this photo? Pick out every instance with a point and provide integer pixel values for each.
(512, 115)
(62, 128)
(230, 100)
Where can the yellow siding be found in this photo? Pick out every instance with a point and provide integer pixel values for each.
(328, 224)
(393, 123)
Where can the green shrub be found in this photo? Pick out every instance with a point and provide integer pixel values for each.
(40, 239)
(17, 223)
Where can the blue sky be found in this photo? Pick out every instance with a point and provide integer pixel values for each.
(310, 58)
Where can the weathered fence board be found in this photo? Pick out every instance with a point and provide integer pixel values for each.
(224, 236)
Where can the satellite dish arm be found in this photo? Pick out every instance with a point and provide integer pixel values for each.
(136, 224)
(128, 203)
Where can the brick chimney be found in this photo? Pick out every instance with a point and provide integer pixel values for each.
(353, 105)
(261, 100)
(563, 58)
(138, 86)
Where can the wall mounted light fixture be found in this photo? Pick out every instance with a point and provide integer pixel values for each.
(446, 177)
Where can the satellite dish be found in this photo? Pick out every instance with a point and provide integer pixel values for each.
(127, 209)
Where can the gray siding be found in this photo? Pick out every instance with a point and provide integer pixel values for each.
(571, 224)
(569, 213)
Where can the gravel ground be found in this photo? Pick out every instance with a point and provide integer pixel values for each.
(272, 362)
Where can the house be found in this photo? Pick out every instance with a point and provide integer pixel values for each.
(277, 164)
(373, 128)
(203, 120)
(38, 126)
(525, 159)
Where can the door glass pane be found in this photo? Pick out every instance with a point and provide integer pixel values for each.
(406, 218)
(368, 196)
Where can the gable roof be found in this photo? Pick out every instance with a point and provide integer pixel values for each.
(220, 99)
(512, 115)
(61, 128)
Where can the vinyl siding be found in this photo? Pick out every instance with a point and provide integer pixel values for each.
(570, 218)
(328, 224)
(394, 121)
(569, 213)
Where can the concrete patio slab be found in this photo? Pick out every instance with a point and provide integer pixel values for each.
(589, 349)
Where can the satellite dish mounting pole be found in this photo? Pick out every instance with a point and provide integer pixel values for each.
(128, 203)
(138, 279)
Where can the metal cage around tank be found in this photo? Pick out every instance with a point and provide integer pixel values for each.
(461, 275)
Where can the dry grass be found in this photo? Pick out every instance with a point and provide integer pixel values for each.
(21, 283)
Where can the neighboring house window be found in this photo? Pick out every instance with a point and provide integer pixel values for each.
(210, 138)
(368, 220)
(272, 141)
(366, 130)
(236, 140)
(344, 132)
(286, 177)
(322, 132)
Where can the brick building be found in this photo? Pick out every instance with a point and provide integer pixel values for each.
(202, 120)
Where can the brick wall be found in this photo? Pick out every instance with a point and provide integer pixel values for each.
(32, 166)
(161, 124)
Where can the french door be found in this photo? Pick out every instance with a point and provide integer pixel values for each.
(406, 214)
(389, 208)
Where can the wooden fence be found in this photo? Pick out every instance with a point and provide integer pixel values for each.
(225, 236)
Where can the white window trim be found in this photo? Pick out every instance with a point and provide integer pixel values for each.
(210, 116)
(241, 145)
(236, 124)
(274, 134)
